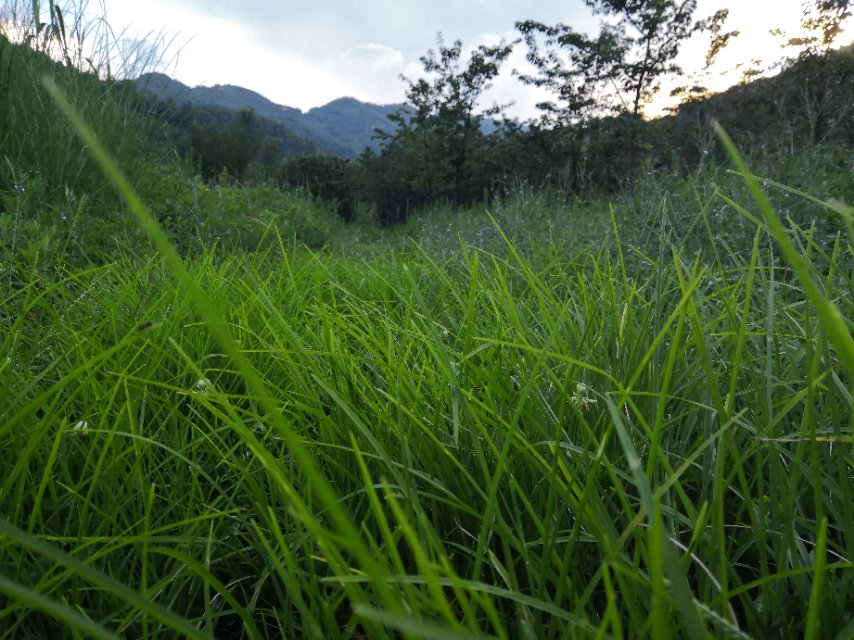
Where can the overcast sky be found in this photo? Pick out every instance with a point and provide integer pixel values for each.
(305, 53)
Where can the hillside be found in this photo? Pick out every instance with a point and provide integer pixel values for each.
(350, 122)
(342, 128)
(808, 103)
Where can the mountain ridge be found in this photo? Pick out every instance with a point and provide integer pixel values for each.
(343, 127)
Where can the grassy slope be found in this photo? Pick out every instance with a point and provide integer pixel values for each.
(517, 435)
(526, 445)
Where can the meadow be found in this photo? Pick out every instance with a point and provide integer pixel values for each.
(620, 417)
(526, 438)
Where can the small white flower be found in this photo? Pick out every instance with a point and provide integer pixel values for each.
(581, 398)
(81, 428)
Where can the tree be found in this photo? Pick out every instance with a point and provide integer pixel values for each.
(719, 40)
(575, 69)
(231, 148)
(652, 32)
(633, 51)
(649, 35)
(571, 66)
(822, 20)
(441, 124)
(323, 176)
(820, 94)
(385, 182)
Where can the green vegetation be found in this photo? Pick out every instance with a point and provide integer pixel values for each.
(231, 410)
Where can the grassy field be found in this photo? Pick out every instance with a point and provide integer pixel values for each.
(509, 435)
(234, 415)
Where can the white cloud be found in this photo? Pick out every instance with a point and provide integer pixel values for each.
(305, 54)
(377, 57)
(372, 72)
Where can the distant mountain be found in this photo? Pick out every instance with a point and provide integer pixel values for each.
(351, 122)
(344, 127)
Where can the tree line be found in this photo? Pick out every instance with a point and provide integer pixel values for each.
(590, 136)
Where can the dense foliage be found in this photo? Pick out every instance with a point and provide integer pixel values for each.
(441, 150)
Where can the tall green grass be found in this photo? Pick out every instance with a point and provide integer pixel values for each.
(42, 160)
(545, 421)
(629, 441)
